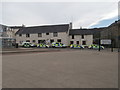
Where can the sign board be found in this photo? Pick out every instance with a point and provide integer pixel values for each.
(105, 41)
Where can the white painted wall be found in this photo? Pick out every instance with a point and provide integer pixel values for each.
(87, 38)
(65, 38)
(61, 35)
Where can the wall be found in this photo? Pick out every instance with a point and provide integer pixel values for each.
(87, 38)
(111, 32)
(61, 35)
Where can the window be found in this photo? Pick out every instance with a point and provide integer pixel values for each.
(82, 36)
(27, 40)
(52, 40)
(83, 42)
(71, 42)
(27, 35)
(33, 41)
(20, 35)
(72, 36)
(77, 42)
(47, 33)
(59, 40)
(39, 34)
(55, 34)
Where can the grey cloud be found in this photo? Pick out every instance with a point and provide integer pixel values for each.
(53, 13)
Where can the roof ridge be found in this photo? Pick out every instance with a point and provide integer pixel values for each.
(47, 25)
(44, 29)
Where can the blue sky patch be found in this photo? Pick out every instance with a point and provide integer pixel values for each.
(105, 23)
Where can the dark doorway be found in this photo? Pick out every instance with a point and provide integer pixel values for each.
(59, 40)
(71, 42)
(52, 40)
(77, 42)
(41, 41)
(83, 42)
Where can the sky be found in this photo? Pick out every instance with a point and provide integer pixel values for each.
(81, 14)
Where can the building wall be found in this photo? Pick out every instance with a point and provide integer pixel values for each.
(87, 38)
(14, 31)
(8, 32)
(111, 32)
(61, 35)
(6, 37)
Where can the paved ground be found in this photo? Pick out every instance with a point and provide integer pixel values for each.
(0, 71)
(26, 50)
(62, 69)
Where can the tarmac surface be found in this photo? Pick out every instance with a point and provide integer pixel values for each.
(0, 71)
(60, 68)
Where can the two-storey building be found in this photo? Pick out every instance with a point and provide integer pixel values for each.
(81, 36)
(54, 33)
(44, 34)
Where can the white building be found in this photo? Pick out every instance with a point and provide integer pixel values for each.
(6, 37)
(81, 36)
(54, 33)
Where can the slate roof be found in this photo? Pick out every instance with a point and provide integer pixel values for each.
(82, 31)
(43, 29)
(15, 27)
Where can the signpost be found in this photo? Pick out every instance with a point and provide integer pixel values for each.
(106, 41)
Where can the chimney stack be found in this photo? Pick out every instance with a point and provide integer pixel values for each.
(70, 25)
(80, 27)
(23, 25)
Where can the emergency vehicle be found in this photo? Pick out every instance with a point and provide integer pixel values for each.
(58, 45)
(95, 46)
(42, 45)
(76, 46)
(28, 44)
